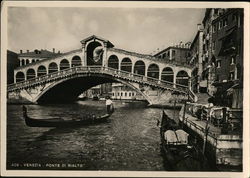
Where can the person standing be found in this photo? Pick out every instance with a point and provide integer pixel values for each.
(109, 105)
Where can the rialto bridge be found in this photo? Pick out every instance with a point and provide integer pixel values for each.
(64, 77)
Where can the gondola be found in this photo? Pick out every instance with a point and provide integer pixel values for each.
(178, 152)
(58, 122)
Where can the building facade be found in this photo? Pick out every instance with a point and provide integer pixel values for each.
(12, 63)
(196, 50)
(227, 45)
(36, 55)
(179, 54)
(217, 53)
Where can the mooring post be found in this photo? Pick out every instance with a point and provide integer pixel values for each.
(205, 137)
(184, 113)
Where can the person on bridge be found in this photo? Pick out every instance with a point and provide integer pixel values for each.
(109, 105)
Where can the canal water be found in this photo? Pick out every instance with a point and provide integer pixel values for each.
(130, 141)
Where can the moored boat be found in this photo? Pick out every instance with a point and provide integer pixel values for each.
(59, 122)
(177, 148)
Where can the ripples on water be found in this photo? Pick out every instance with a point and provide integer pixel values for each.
(129, 142)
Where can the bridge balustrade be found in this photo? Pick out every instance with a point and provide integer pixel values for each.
(101, 69)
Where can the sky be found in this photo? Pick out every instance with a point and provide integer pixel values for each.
(141, 30)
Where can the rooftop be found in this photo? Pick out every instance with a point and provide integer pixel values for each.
(43, 53)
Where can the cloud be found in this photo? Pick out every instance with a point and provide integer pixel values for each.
(136, 29)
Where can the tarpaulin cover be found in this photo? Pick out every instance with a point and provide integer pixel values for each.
(176, 137)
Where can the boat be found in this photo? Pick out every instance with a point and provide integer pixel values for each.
(176, 146)
(59, 122)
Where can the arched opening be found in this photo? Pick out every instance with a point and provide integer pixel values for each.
(167, 74)
(41, 71)
(64, 64)
(126, 64)
(23, 62)
(27, 61)
(33, 60)
(31, 74)
(139, 68)
(20, 77)
(113, 62)
(182, 78)
(53, 67)
(76, 61)
(153, 71)
(94, 53)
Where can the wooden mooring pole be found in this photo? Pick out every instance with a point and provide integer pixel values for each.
(205, 138)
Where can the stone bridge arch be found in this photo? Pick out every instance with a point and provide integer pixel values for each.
(61, 88)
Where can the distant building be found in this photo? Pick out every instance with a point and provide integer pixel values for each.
(36, 55)
(12, 63)
(208, 62)
(99, 91)
(179, 54)
(196, 50)
(123, 92)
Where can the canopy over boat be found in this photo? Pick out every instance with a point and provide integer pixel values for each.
(178, 137)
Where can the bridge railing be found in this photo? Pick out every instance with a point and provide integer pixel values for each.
(102, 69)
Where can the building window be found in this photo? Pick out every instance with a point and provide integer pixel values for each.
(121, 93)
(240, 21)
(220, 24)
(225, 22)
(129, 94)
(235, 17)
(232, 75)
(173, 53)
(168, 54)
(218, 64)
(233, 60)
(214, 28)
(213, 45)
(216, 11)
(118, 94)
(125, 93)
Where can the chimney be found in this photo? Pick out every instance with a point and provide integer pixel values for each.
(53, 50)
(198, 26)
(21, 51)
(27, 50)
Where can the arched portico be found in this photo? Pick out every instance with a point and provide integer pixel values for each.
(53, 67)
(126, 64)
(113, 62)
(182, 78)
(139, 67)
(153, 71)
(167, 74)
(64, 64)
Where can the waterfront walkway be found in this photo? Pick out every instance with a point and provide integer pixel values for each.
(213, 130)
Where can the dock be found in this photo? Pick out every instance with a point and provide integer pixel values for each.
(224, 149)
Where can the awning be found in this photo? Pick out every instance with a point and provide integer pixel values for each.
(203, 83)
